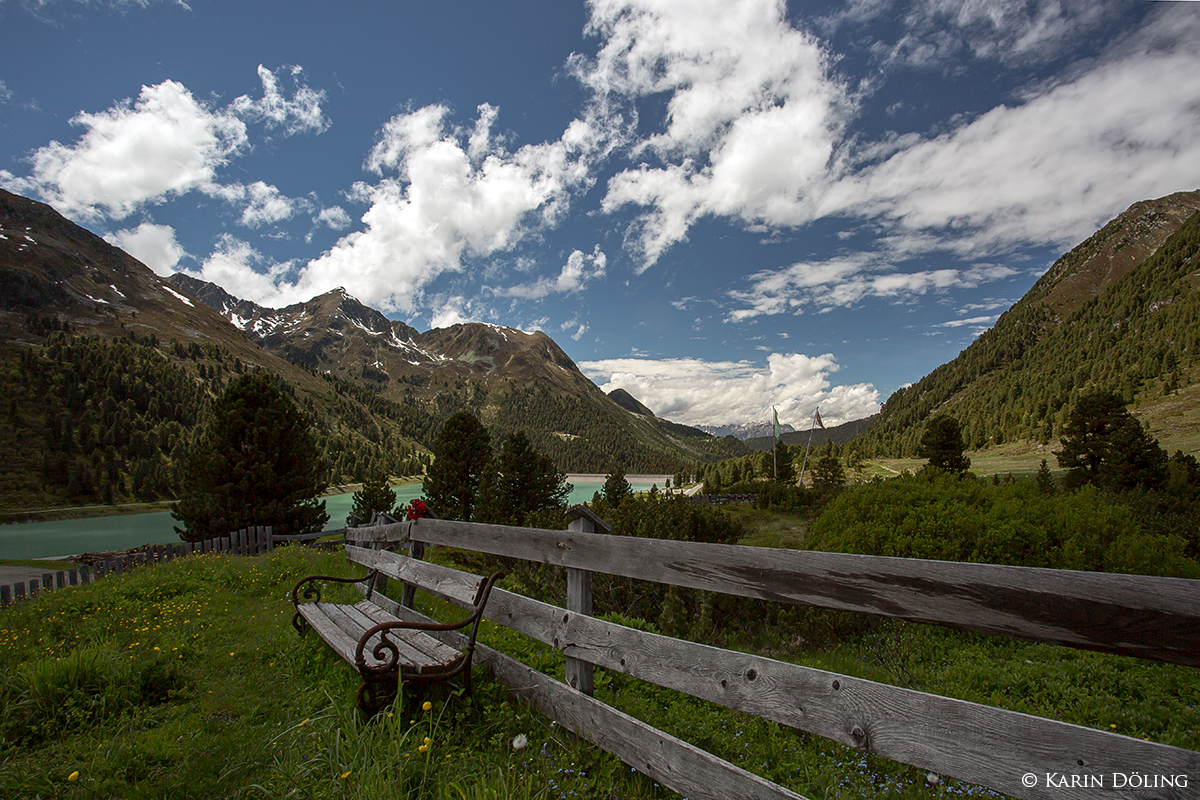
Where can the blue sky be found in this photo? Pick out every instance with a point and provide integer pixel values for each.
(720, 206)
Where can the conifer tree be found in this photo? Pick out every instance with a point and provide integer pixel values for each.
(521, 481)
(942, 444)
(1103, 445)
(462, 453)
(376, 495)
(616, 487)
(256, 464)
(827, 473)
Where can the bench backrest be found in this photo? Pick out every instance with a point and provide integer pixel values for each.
(450, 584)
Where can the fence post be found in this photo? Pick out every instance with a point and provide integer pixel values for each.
(60, 580)
(579, 594)
(47, 582)
(18, 592)
(73, 576)
(6, 597)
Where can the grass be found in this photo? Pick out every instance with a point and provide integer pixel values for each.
(187, 680)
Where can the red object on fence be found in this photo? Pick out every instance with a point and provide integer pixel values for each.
(416, 509)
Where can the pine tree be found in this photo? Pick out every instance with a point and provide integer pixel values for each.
(521, 481)
(942, 444)
(376, 495)
(616, 487)
(1045, 480)
(462, 453)
(255, 464)
(1103, 445)
(827, 473)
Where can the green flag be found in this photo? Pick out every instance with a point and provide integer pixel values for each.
(777, 430)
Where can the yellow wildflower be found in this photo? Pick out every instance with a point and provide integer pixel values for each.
(426, 705)
(74, 776)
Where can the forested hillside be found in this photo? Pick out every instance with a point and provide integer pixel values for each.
(593, 436)
(92, 420)
(1139, 336)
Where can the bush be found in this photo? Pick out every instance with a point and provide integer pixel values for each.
(935, 516)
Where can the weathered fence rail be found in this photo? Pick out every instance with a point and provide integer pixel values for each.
(246, 542)
(1151, 618)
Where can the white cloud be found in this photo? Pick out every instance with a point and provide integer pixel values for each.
(137, 152)
(266, 205)
(847, 282)
(701, 392)
(576, 273)
(244, 272)
(301, 113)
(334, 217)
(455, 195)
(755, 129)
(946, 33)
(1054, 168)
(454, 310)
(153, 245)
(165, 144)
(752, 120)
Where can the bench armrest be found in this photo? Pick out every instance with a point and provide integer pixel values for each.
(312, 591)
(386, 651)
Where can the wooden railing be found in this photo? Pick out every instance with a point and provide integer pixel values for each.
(246, 542)
(1018, 754)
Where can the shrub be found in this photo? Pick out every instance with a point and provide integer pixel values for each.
(935, 516)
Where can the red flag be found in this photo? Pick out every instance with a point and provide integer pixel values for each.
(822, 424)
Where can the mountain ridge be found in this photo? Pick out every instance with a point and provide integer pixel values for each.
(1099, 317)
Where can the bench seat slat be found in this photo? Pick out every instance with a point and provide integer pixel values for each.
(407, 641)
(434, 650)
(316, 616)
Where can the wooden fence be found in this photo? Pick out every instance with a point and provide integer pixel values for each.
(246, 542)
(1018, 754)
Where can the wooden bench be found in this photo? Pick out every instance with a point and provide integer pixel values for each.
(383, 648)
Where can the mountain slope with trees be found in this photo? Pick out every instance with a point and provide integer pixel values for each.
(107, 371)
(1099, 318)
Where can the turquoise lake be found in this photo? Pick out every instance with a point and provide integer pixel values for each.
(100, 534)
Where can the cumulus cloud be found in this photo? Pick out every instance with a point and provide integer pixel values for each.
(163, 144)
(153, 245)
(751, 123)
(139, 151)
(756, 127)
(240, 269)
(699, 392)
(446, 195)
(334, 217)
(576, 273)
(266, 205)
(300, 113)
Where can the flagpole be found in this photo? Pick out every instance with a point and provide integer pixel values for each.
(811, 428)
(775, 448)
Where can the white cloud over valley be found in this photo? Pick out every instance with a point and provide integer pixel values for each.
(698, 392)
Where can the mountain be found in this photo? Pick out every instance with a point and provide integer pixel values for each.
(512, 379)
(630, 403)
(746, 430)
(838, 434)
(108, 370)
(1121, 311)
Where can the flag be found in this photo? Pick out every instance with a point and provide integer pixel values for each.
(822, 424)
(777, 430)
